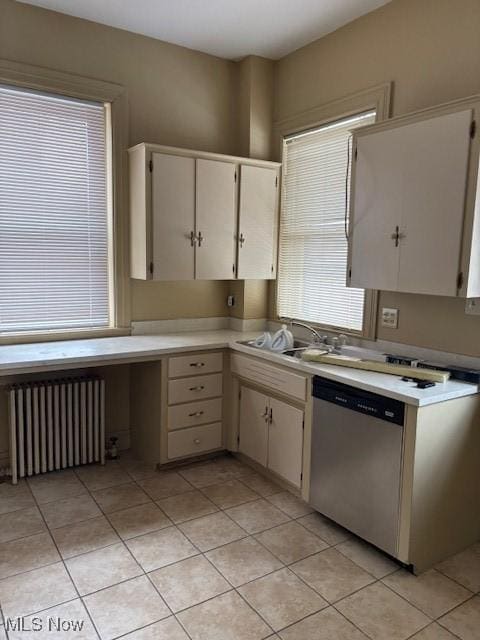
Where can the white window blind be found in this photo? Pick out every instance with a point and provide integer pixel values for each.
(54, 225)
(313, 243)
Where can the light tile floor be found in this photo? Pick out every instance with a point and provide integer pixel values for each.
(209, 551)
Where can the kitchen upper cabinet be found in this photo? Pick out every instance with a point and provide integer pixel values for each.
(271, 433)
(257, 228)
(253, 425)
(216, 219)
(414, 226)
(173, 217)
(184, 215)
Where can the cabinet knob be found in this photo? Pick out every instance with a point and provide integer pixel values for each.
(196, 441)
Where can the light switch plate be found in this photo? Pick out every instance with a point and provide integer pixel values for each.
(390, 318)
(472, 307)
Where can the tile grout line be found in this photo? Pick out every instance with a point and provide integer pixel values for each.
(128, 579)
(203, 554)
(66, 569)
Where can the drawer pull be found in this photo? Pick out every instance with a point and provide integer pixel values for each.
(195, 414)
(197, 441)
(199, 388)
(197, 364)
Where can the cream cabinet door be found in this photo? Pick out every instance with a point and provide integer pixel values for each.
(435, 171)
(173, 216)
(408, 206)
(257, 229)
(285, 441)
(253, 427)
(216, 219)
(377, 199)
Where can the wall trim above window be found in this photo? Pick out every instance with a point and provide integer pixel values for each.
(66, 84)
(376, 99)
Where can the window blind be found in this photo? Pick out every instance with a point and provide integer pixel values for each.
(313, 244)
(54, 226)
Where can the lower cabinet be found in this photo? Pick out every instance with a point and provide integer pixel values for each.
(253, 426)
(285, 441)
(271, 433)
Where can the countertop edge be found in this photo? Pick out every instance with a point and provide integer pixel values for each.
(207, 340)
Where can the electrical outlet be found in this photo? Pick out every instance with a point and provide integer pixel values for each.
(390, 318)
(230, 301)
(472, 307)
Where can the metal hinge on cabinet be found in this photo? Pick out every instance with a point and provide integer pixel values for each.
(301, 476)
(303, 424)
(150, 268)
(276, 181)
(233, 268)
(350, 272)
(150, 166)
(235, 178)
(238, 439)
(460, 280)
(473, 128)
(355, 153)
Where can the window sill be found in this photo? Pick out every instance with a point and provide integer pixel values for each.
(66, 334)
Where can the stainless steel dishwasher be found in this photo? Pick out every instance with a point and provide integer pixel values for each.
(357, 441)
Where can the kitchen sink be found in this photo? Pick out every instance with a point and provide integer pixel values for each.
(296, 352)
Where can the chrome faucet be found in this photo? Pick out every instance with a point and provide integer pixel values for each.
(316, 336)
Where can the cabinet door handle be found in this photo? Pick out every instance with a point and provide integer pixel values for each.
(270, 416)
(199, 388)
(196, 441)
(200, 238)
(193, 239)
(397, 236)
(195, 414)
(197, 364)
(241, 240)
(265, 414)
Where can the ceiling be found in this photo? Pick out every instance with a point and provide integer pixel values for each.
(229, 29)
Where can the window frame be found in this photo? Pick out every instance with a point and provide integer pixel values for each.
(376, 98)
(114, 97)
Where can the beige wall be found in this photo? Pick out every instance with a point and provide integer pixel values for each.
(430, 49)
(176, 97)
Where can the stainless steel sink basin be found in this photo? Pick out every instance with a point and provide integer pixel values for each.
(296, 352)
(297, 344)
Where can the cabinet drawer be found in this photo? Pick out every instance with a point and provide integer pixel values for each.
(195, 440)
(197, 388)
(195, 363)
(269, 376)
(187, 415)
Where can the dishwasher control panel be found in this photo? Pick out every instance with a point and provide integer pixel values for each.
(358, 400)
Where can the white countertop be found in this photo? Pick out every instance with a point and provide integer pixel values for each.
(72, 354)
(381, 383)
